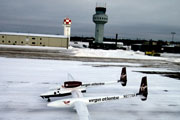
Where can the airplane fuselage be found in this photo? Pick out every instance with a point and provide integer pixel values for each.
(88, 100)
(69, 86)
(60, 92)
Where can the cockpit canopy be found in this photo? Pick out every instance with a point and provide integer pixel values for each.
(72, 84)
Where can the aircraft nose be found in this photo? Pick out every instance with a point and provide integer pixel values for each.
(59, 104)
(47, 93)
(42, 94)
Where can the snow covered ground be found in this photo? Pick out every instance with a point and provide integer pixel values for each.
(112, 54)
(127, 54)
(23, 80)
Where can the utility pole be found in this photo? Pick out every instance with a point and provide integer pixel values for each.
(173, 33)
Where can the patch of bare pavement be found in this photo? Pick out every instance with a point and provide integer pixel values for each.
(67, 54)
(175, 75)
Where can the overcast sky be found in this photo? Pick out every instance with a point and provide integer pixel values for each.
(149, 19)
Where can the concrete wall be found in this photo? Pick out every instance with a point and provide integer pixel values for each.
(33, 40)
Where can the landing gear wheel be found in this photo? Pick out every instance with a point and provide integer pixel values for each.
(49, 100)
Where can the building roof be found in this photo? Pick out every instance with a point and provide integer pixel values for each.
(33, 34)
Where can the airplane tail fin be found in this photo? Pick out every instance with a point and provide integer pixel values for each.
(123, 77)
(143, 90)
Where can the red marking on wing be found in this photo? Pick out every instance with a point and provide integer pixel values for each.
(66, 102)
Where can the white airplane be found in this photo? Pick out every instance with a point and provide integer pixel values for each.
(79, 102)
(69, 86)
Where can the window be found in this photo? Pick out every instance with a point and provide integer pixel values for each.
(2, 36)
(33, 43)
(15, 42)
(40, 38)
(27, 39)
(21, 42)
(40, 43)
(3, 41)
(9, 41)
(33, 38)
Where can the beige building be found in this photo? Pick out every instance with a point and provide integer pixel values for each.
(9, 38)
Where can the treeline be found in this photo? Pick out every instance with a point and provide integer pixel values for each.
(127, 42)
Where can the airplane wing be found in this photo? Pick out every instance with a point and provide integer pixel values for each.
(82, 110)
(80, 106)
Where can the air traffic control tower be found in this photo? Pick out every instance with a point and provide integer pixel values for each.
(100, 18)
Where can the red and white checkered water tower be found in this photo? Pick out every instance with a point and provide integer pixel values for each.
(67, 27)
